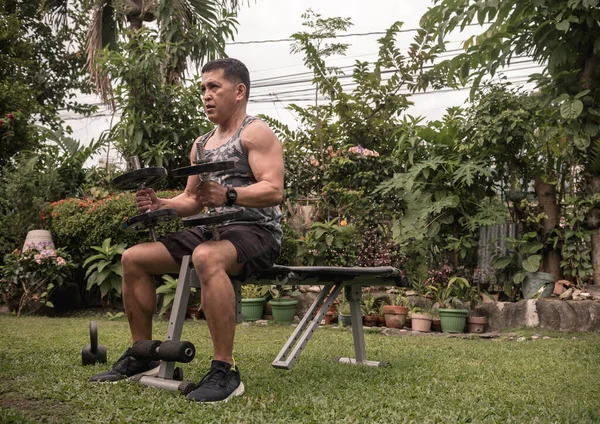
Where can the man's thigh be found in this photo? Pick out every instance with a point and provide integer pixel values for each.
(152, 257)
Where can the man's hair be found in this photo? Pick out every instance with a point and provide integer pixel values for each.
(234, 70)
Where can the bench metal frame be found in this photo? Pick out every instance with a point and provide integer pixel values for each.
(332, 279)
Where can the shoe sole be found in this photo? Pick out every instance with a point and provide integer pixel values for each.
(237, 392)
(151, 373)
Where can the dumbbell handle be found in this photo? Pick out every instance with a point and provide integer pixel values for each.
(205, 177)
(135, 164)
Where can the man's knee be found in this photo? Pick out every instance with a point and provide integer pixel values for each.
(208, 260)
(129, 259)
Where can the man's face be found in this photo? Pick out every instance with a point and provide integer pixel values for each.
(220, 96)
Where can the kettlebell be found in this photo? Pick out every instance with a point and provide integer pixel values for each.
(93, 353)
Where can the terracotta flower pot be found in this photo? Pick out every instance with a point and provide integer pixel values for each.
(395, 316)
(371, 320)
(476, 324)
(421, 322)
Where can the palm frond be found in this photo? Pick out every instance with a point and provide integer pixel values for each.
(101, 33)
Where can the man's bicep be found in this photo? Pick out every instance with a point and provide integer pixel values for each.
(266, 158)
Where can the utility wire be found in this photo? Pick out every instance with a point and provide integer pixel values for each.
(362, 34)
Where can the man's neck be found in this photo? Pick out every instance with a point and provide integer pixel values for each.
(233, 123)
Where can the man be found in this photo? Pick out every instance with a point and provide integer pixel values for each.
(250, 243)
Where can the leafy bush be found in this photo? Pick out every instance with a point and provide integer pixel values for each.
(104, 269)
(24, 193)
(30, 276)
(328, 244)
(79, 224)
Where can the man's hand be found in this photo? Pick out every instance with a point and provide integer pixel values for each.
(211, 194)
(146, 200)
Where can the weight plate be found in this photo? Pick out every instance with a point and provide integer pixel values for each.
(131, 180)
(149, 219)
(212, 218)
(204, 168)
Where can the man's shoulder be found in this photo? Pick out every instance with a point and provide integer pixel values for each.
(257, 131)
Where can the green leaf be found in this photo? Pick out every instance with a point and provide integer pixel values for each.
(532, 263)
(597, 47)
(563, 25)
(581, 94)
(502, 263)
(571, 110)
(591, 130)
(519, 277)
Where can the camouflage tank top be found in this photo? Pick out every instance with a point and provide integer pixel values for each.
(241, 175)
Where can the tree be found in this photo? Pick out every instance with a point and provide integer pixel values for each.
(41, 68)
(194, 30)
(564, 36)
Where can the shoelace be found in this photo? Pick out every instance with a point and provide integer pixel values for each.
(214, 376)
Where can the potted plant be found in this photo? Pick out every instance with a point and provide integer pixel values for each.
(282, 303)
(369, 311)
(168, 289)
(380, 314)
(475, 321)
(395, 314)
(449, 297)
(420, 319)
(521, 267)
(344, 317)
(253, 303)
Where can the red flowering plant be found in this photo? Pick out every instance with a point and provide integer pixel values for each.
(29, 277)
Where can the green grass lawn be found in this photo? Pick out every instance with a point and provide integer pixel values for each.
(431, 379)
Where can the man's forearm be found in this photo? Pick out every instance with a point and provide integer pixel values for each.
(259, 195)
(185, 204)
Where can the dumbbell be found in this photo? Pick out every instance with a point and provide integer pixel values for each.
(93, 353)
(203, 168)
(138, 178)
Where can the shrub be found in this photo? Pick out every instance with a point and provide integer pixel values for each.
(24, 193)
(79, 224)
(104, 269)
(29, 277)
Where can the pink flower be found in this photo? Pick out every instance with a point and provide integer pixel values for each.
(38, 259)
(1, 122)
(60, 261)
(11, 116)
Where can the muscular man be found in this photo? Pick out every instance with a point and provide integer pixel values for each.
(249, 243)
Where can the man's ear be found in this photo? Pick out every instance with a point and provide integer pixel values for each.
(241, 91)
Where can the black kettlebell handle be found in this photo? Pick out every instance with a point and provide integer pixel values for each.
(93, 337)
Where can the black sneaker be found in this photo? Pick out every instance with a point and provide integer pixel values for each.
(126, 366)
(220, 384)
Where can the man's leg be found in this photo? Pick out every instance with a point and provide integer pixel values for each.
(140, 264)
(212, 262)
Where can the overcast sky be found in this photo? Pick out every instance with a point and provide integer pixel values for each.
(275, 20)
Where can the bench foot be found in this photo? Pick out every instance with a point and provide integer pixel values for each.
(343, 360)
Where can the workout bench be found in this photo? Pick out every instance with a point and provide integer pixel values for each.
(333, 280)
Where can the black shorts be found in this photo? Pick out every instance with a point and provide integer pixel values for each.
(256, 247)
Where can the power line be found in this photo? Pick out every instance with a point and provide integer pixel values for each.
(362, 34)
(312, 99)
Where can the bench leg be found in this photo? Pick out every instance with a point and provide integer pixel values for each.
(304, 331)
(178, 312)
(353, 294)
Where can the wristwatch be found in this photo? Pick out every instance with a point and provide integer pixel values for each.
(231, 196)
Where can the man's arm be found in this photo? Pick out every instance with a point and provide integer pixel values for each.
(265, 155)
(186, 203)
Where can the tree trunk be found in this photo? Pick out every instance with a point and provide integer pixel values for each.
(596, 256)
(587, 75)
(547, 199)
